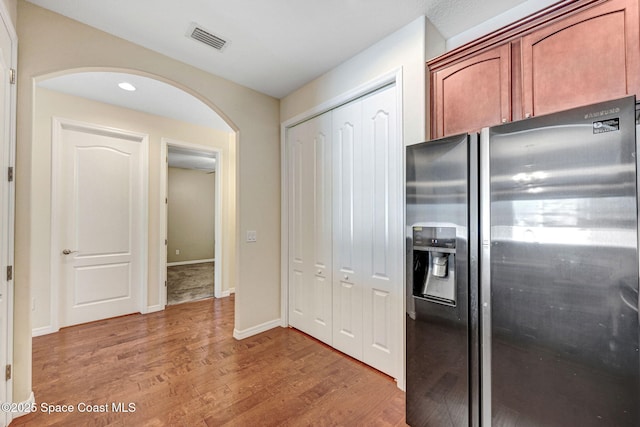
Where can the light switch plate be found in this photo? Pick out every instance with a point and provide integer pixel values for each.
(252, 236)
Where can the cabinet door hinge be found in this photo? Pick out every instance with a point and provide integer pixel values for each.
(7, 373)
(165, 283)
(12, 76)
(10, 272)
(166, 200)
(10, 174)
(165, 242)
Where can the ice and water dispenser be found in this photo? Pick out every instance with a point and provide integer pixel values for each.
(434, 264)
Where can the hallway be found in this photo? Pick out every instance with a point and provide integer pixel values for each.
(182, 367)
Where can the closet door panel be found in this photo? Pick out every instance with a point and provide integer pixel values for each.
(309, 182)
(321, 300)
(347, 285)
(381, 230)
(299, 262)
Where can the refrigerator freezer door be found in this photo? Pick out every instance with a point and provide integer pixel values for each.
(564, 269)
(439, 329)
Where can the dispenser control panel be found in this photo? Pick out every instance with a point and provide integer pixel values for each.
(435, 237)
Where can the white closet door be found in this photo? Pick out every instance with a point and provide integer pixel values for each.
(309, 155)
(381, 221)
(347, 247)
(321, 299)
(345, 229)
(299, 212)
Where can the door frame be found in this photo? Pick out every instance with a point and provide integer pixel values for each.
(7, 244)
(392, 77)
(163, 206)
(58, 124)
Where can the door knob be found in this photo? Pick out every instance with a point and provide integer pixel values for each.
(68, 251)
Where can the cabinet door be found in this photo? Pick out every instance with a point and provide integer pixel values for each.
(347, 229)
(381, 223)
(309, 165)
(588, 57)
(472, 94)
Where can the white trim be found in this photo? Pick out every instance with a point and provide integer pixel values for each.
(255, 330)
(57, 124)
(228, 292)
(43, 330)
(392, 77)
(7, 227)
(219, 238)
(196, 261)
(30, 402)
(162, 236)
(154, 308)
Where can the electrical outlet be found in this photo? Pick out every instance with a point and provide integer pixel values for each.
(252, 236)
(177, 251)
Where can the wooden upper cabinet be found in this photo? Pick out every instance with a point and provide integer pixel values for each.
(573, 53)
(584, 58)
(473, 93)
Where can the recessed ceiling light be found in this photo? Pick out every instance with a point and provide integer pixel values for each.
(127, 86)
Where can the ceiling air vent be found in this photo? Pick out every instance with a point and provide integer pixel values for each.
(196, 32)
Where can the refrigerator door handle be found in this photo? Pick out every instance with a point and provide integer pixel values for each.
(485, 279)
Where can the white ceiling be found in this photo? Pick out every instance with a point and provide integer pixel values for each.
(150, 96)
(275, 46)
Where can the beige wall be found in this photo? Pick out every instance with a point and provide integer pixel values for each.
(50, 44)
(191, 214)
(407, 48)
(12, 8)
(50, 104)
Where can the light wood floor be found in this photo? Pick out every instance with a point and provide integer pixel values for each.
(190, 282)
(182, 367)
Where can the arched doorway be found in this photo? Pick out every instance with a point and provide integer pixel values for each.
(158, 109)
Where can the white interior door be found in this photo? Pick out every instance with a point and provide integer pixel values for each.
(6, 212)
(309, 163)
(346, 241)
(299, 212)
(382, 225)
(368, 234)
(347, 245)
(321, 241)
(101, 219)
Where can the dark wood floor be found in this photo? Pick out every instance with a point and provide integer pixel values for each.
(182, 367)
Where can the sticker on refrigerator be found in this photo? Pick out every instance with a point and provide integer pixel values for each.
(609, 125)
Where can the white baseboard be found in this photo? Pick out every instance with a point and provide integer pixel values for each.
(228, 292)
(154, 308)
(43, 330)
(196, 261)
(240, 335)
(26, 404)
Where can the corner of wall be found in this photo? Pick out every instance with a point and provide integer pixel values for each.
(435, 45)
(12, 8)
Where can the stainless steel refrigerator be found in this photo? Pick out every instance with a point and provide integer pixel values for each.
(522, 273)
